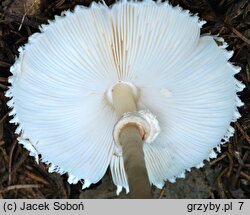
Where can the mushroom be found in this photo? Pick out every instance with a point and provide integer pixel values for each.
(134, 87)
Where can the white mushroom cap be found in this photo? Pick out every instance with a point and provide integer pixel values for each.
(61, 80)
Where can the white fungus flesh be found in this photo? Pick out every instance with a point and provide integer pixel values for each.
(63, 75)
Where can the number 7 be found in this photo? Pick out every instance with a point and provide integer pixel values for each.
(241, 204)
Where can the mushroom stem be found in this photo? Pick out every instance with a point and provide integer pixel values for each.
(123, 99)
(134, 163)
(131, 139)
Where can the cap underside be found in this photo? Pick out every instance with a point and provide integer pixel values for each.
(60, 80)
